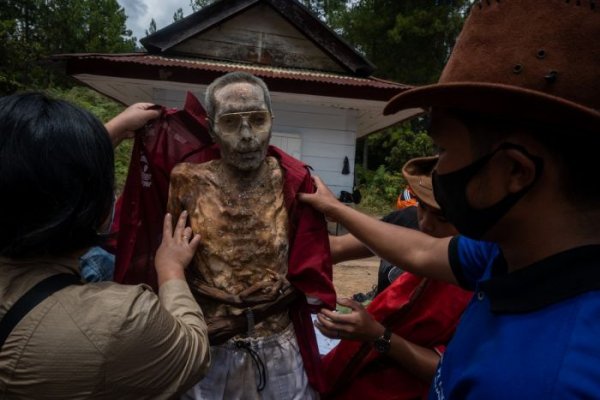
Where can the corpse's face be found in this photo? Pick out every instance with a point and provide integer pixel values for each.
(242, 125)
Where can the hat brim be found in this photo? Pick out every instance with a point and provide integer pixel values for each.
(417, 172)
(500, 100)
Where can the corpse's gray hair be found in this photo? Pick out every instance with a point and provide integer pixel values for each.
(227, 79)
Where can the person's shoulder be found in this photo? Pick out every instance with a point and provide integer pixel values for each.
(111, 297)
(192, 169)
(194, 173)
(104, 309)
(467, 244)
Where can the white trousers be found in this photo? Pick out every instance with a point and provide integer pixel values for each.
(239, 368)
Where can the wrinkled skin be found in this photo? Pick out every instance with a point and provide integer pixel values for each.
(246, 150)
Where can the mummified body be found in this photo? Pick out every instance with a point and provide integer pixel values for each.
(238, 275)
(244, 230)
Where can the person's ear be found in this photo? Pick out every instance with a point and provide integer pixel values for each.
(211, 130)
(523, 170)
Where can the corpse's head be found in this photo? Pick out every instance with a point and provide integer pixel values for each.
(240, 118)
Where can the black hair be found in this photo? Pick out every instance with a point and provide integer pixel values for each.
(56, 176)
(575, 150)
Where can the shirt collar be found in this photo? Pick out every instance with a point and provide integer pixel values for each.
(546, 282)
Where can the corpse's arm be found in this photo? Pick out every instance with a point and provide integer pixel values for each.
(131, 119)
(417, 360)
(417, 252)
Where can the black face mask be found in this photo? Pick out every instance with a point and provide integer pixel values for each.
(450, 193)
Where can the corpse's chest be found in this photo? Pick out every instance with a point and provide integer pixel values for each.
(244, 228)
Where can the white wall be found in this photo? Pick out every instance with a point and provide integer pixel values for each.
(327, 135)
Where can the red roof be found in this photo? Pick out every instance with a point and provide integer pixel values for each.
(202, 71)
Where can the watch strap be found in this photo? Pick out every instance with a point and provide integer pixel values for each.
(383, 343)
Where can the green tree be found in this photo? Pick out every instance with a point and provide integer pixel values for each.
(409, 40)
(151, 28)
(178, 15)
(327, 9)
(198, 4)
(394, 146)
(33, 30)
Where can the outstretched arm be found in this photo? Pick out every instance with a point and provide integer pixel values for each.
(347, 247)
(131, 119)
(417, 252)
(359, 325)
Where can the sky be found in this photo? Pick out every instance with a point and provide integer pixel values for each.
(140, 13)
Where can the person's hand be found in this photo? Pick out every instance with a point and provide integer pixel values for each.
(322, 199)
(357, 325)
(131, 119)
(176, 249)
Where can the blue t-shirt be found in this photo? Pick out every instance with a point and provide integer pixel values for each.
(530, 334)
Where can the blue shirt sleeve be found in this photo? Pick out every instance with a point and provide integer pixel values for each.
(469, 259)
(97, 265)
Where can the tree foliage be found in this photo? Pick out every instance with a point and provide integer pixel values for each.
(379, 189)
(178, 15)
(326, 9)
(152, 27)
(395, 146)
(33, 30)
(409, 41)
(198, 4)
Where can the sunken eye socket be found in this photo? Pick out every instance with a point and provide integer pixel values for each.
(229, 121)
(257, 119)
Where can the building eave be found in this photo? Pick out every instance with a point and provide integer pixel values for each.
(198, 71)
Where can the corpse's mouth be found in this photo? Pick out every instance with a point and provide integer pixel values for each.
(249, 154)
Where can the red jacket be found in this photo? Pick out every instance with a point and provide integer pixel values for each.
(182, 136)
(420, 310)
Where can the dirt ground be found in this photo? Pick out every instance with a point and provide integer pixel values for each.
(351, 277)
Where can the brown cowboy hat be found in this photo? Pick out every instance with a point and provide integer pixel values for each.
(417, 173)
(537, 60)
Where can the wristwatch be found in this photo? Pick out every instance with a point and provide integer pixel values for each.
(383, 343)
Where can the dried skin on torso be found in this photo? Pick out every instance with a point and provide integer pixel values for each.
(244, 231)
